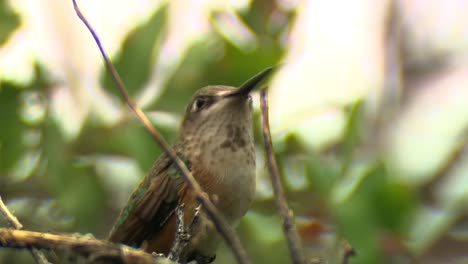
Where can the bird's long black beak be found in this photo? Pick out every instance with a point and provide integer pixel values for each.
(248, 86)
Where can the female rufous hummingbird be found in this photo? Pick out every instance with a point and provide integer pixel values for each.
(216, 143)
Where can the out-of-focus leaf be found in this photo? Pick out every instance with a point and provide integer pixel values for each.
(258, 14)
(261, 233)
(353, 134)
(82, 197)
(322, 174)
(231, 65)
(376, 207)
(238, 66)
(231, 27)
(20, 256)
(431, 128)
(11, 146)
(76, 188)
(357, 222)
(130, 139)
(9, 21)
(394, 205)
(134, 63)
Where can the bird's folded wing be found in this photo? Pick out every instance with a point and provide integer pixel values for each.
(150, 205)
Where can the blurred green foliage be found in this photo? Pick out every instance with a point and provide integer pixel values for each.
(134, 62)
(11, 147)
(75, 197)
(376, 207)
(9, 21)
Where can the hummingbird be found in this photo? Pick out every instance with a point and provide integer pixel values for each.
(215, 141)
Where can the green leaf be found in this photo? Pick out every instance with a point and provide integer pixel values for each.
(357, 221)
(322, 174)
(353, 134)
(134, 63)
(82, 197)
(127, 139)
(75, 185)
(377, 207)
(11, 146)
(10, 21)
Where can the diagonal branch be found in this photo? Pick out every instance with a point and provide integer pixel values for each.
(221, 224)
(11, 218)
(15, 223)
(289, 229)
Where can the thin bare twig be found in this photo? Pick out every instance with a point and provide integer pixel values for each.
(348, 252)
(92, 249)
(221, 224)
(289, 228)
(15, 223)
(182, 235)
(11, 218)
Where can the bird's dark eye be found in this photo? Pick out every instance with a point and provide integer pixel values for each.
(200, 103)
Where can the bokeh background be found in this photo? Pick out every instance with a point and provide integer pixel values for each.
(369, 115)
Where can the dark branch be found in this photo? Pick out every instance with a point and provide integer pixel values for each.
(289, 228)
(221, 224)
